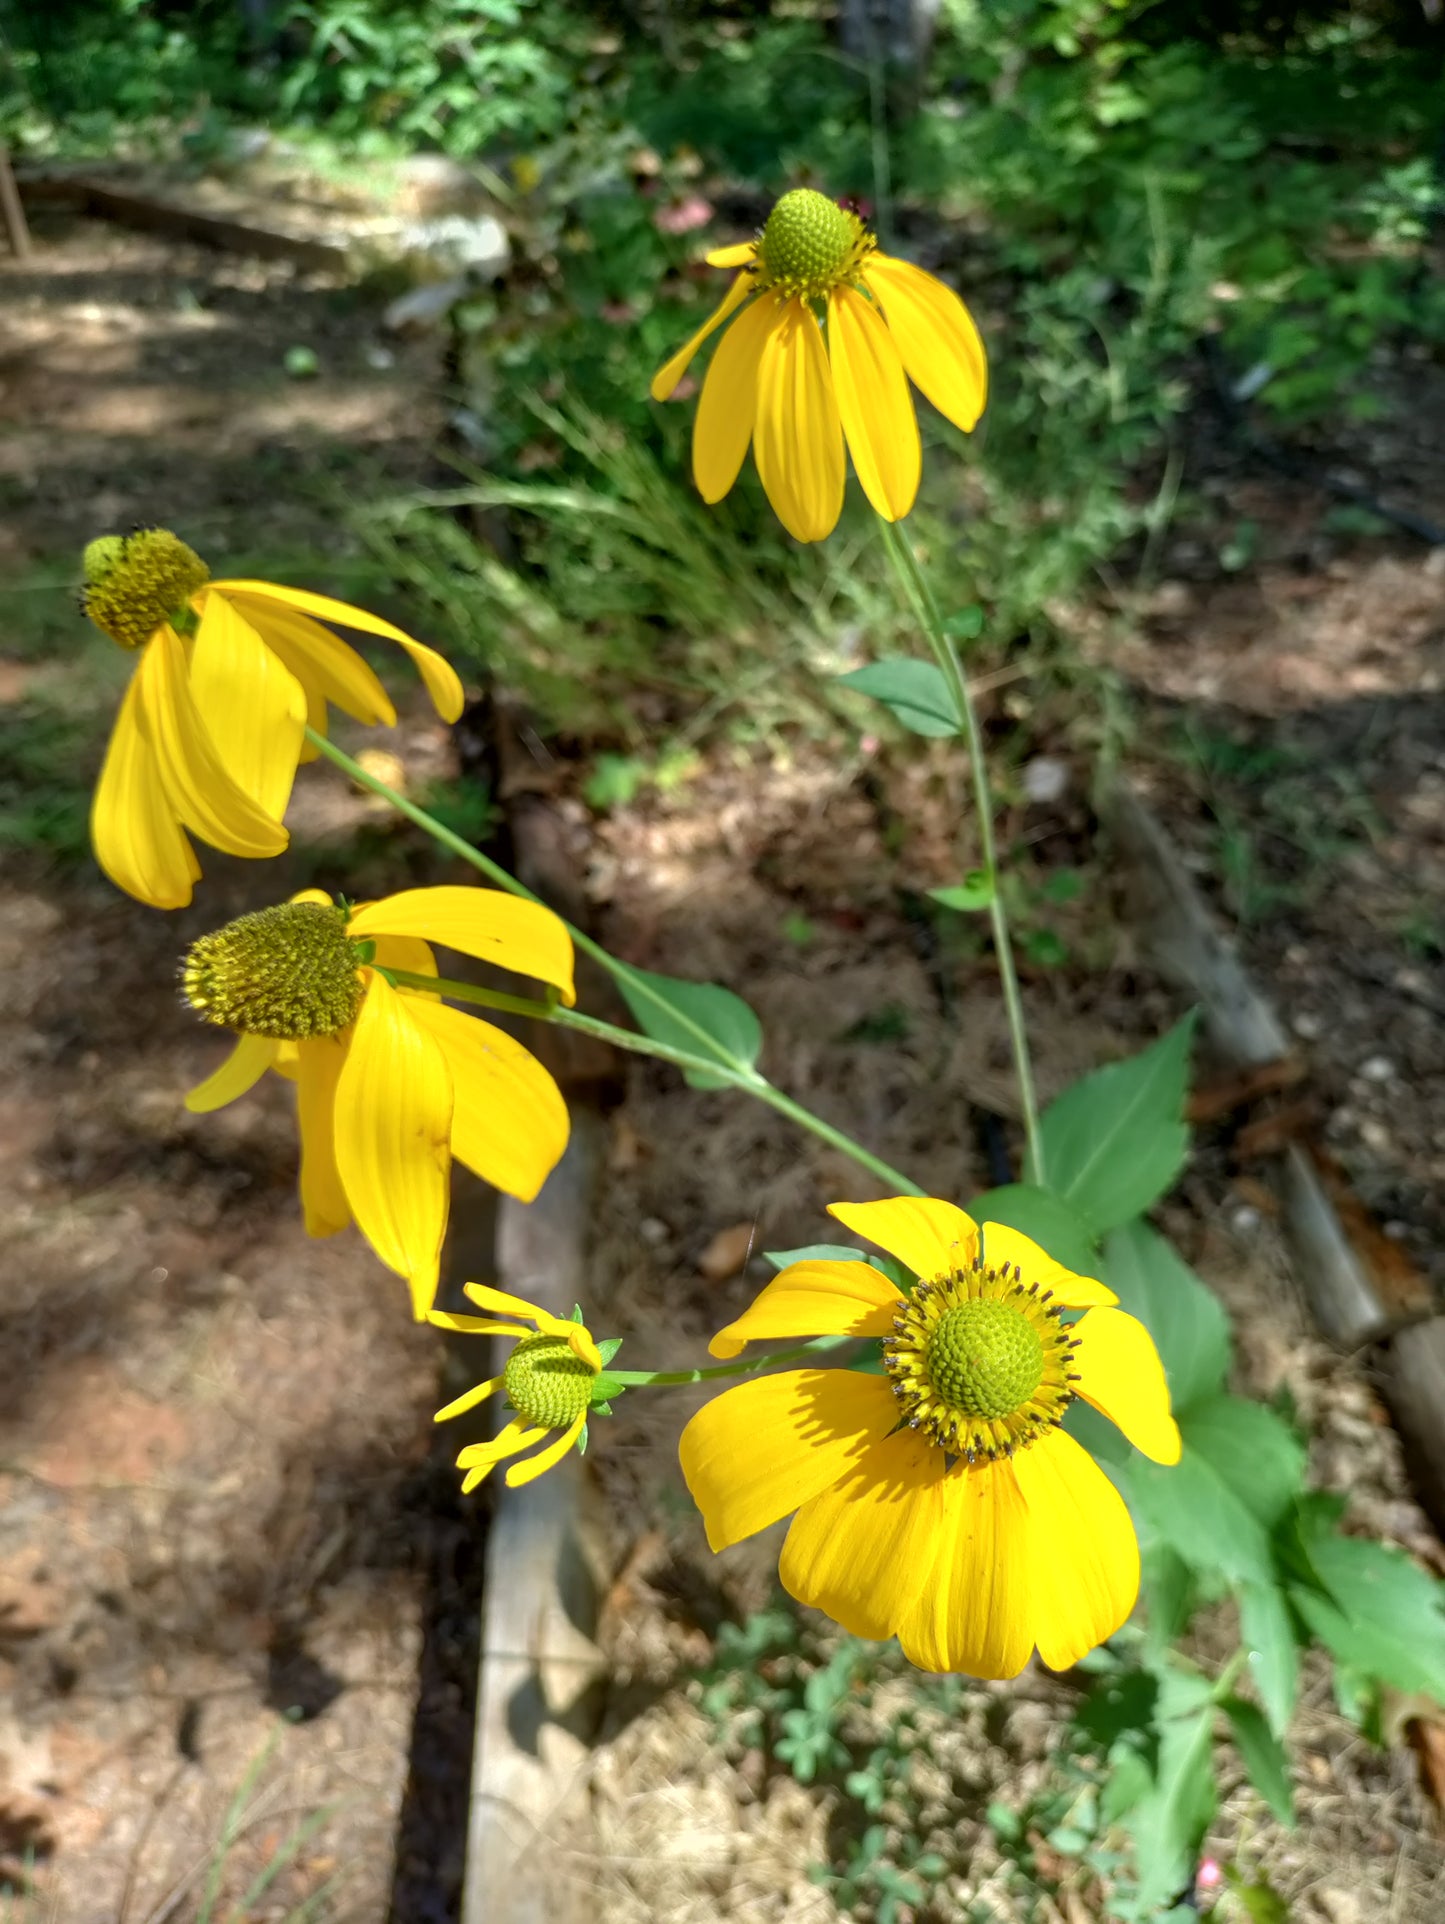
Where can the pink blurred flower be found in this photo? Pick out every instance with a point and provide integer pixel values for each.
(1209, 1875)
(684, 216)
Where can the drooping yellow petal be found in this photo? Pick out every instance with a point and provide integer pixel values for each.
(723, 424)
(862, 1549)
(482, 1458)
(874, 404)
(737, 254)
(469, 1399)
(509, 1122)
(1005, 1248)
(487, 923)
(200, 791)
(1083, 1554)
(672, 371)
(814, 1299)
(576, 1335)
(243, 1068)
(798, 438)
(973, 1613)
(437, 673)
(252, 705)
(319, 1063)
(393, 1130)
(528, 1472)
(940, 345)
(133, 828)
(930, 1237)
(764, 1448)
(327, 667)
(1121, 1375)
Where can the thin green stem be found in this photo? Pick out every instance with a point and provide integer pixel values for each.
(662, 1379)
(918, 592)
(709, 1060)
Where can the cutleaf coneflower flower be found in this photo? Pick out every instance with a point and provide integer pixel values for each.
(826, 334)
(391, 1083)
(940, 1502)
(213, 724)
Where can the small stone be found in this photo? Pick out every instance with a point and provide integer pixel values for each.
(1245, 1220)
(1306, 1026)
(1378, 1069)
(1376, 1136)
(1045, 779)
(653, 1231)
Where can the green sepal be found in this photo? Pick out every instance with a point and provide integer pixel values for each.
(605, 1387)
(582, 1441)
(609, 1349)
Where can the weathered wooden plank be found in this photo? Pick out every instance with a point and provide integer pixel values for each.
(1412, 1376)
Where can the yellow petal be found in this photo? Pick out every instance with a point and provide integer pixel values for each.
(475, 1325)
(319, 1063)
(509, 1122)
(328, 668)
(495, 927)
(671, 372)
(406, 952)
(936, 336)
(974, 1609)
(737, 255)
(482, 1458)
(798, 438)
(861, 1551)
(528, 1472)
(927, 1236)
(814, 1299)
(436, 672)
(499, 1299)
(393, 1127)
(1083, 1554)
(243, 1068)
(200, 791)
(874, 404)
(253, 707)
(1121, 1375)
(137, 840)
(469, 1399)
(1005, 1248)
(723, 424)
(759, 1451)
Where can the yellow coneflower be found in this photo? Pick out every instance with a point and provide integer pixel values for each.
(774, 382)
(551, 1379)
(390, 1082)
(940, 1502)
(212, 727)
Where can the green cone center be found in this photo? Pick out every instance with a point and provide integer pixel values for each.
(136, 582)
(287, 972)
(547, 1382)
(809, 244)
(985, 1359)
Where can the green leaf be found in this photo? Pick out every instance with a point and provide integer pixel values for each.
(1115, 1141)
(1129, 1782)
(966, 625)
(1262, 1902)
(1125, 1702)
(605, 1387)
(1108, 1446)
(1238, 1475)
(1169, 1599)
(814, 1253)
(1251, 1449)
(1263, 1756)
(1267, 1631)
(1186, 1319)
(1168, 1824)
(699, 1017)
(1039, 1213)
(1193, 1512)
(915, 691)
(1383, 1617)
(974, 892)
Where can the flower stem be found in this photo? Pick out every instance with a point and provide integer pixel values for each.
(918, 592)
(711, 1058)
(667, 1379)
